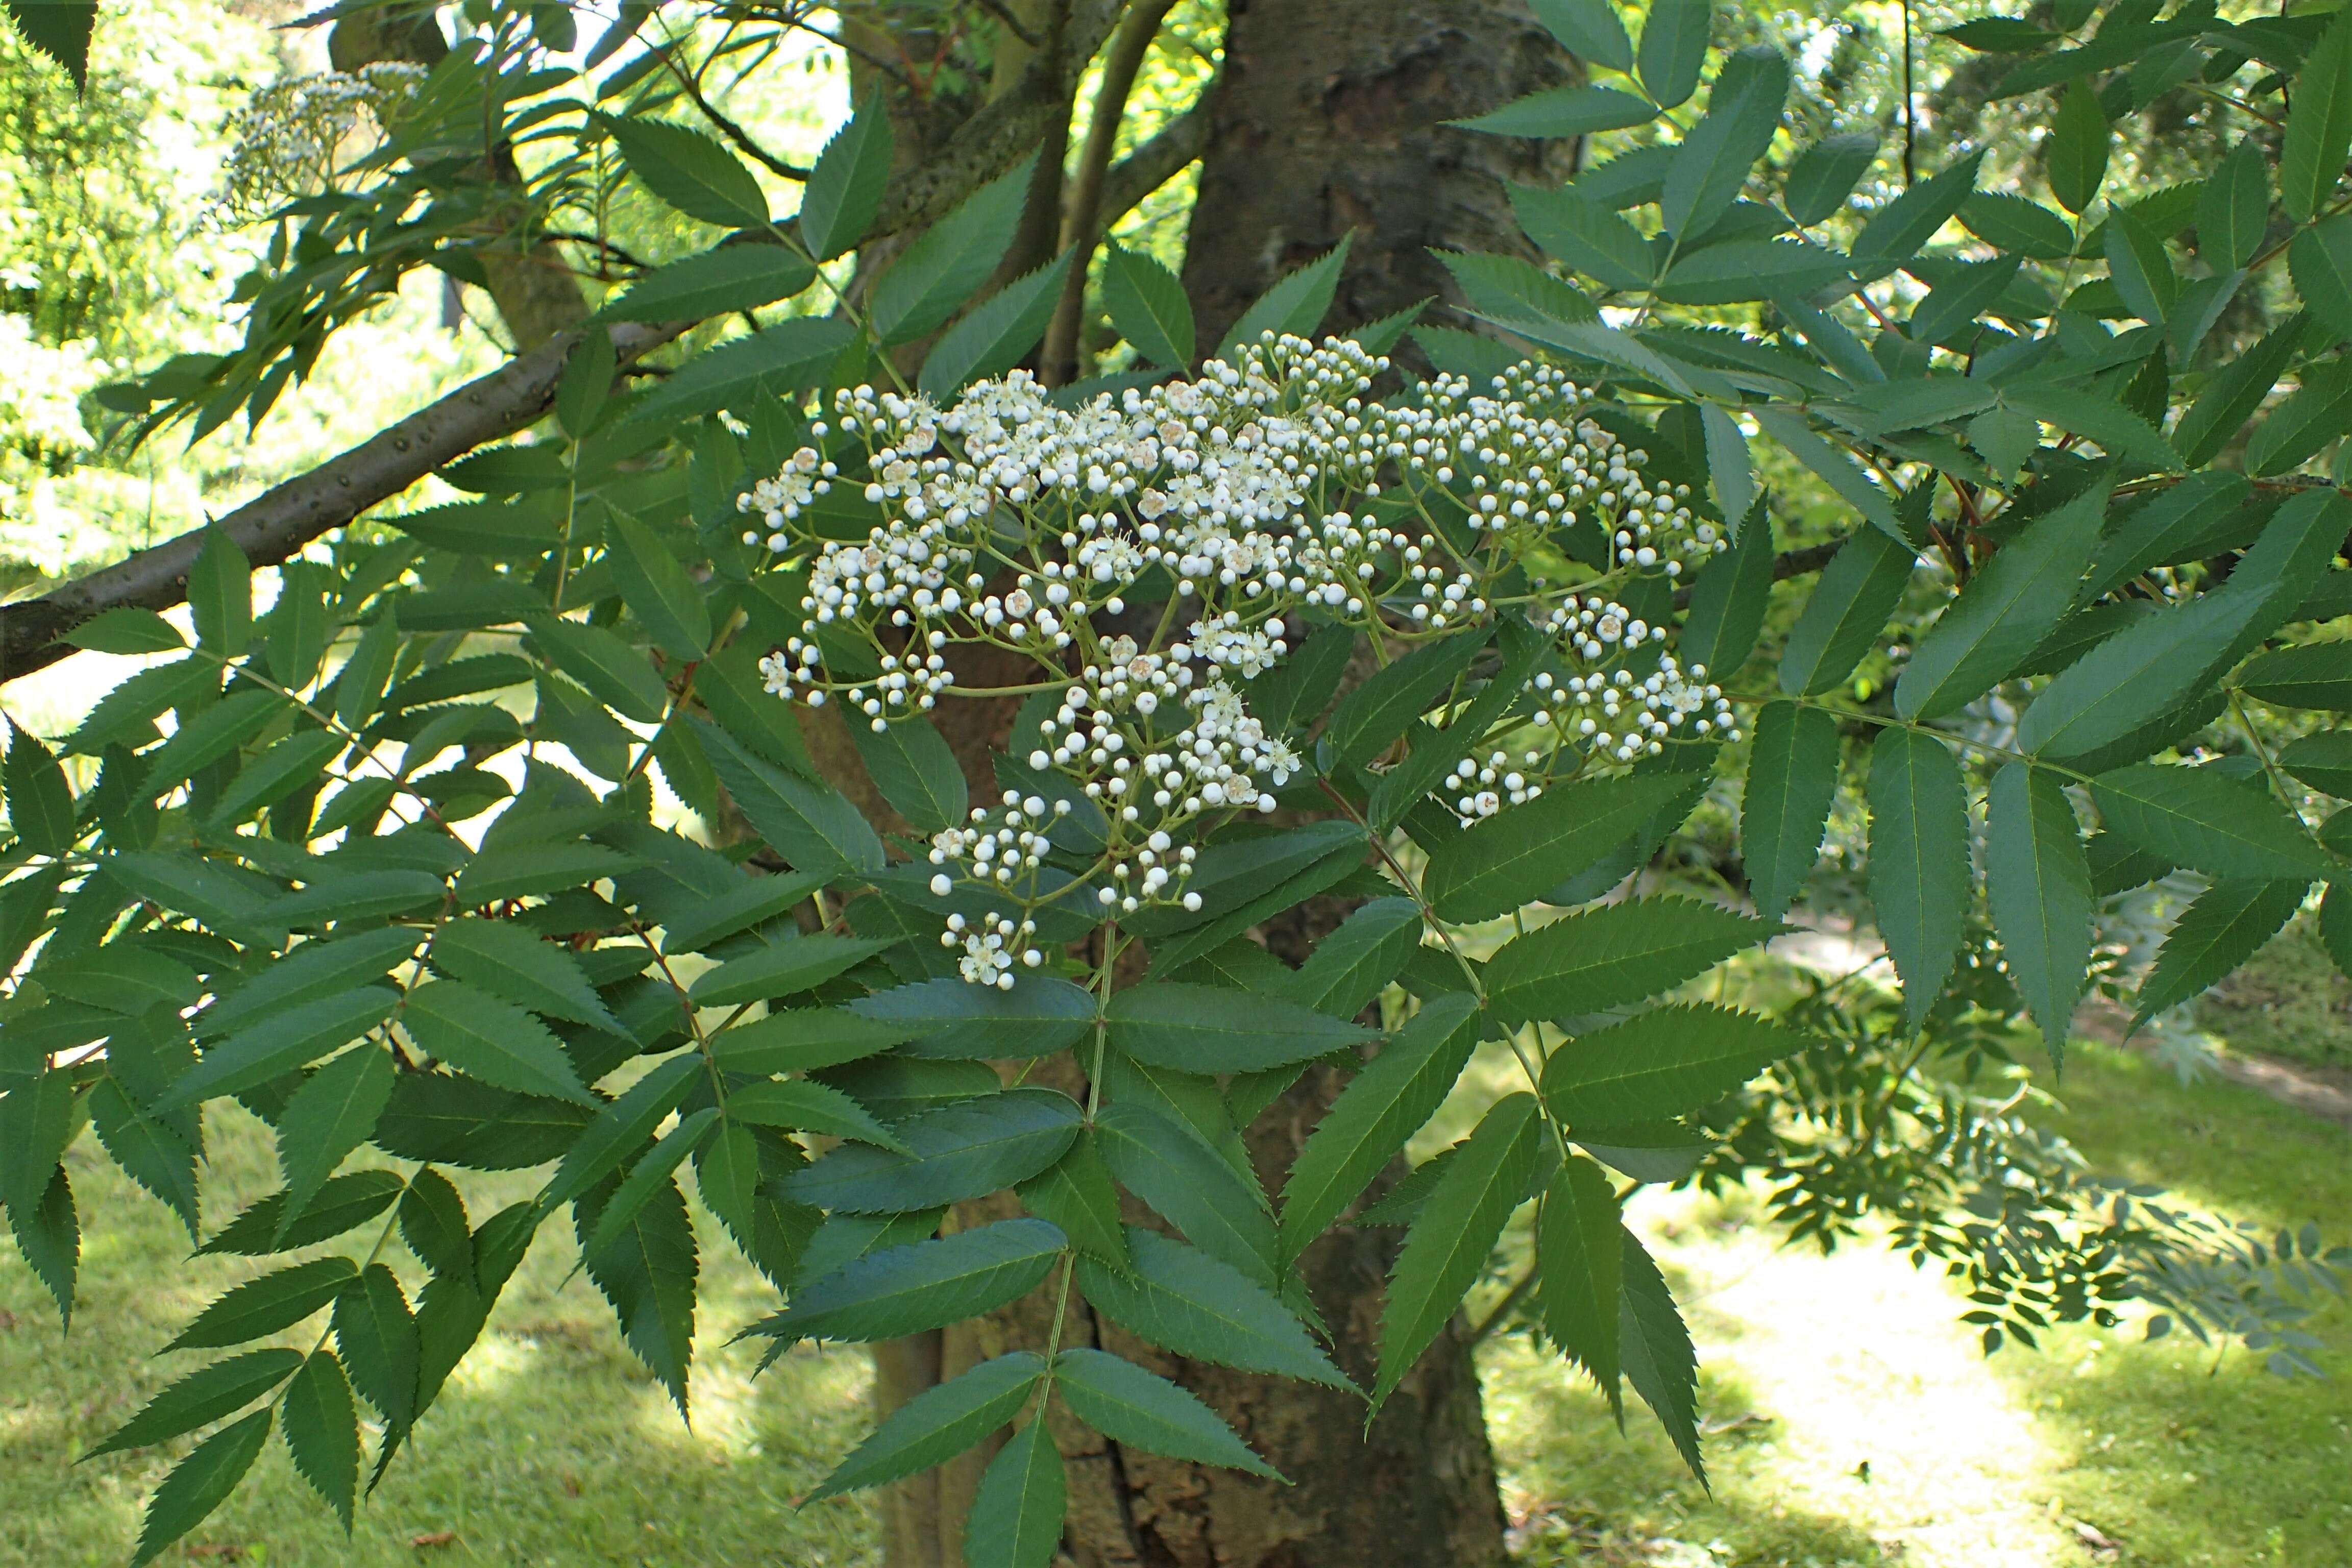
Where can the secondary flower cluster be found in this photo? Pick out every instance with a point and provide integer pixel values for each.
(1270, 489)
(290, 134)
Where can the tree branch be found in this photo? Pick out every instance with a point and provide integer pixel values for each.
(1155, 163)
(1081, 225)
(275, 525)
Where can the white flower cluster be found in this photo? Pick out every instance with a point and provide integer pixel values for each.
(289, 137)
(1268, 487)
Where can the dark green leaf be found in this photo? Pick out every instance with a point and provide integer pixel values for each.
(41, 802)
(1743, 112)
(804, 1039)
(1169, 1166)
(1505, 860)
(697, 288)
(1295, 305)
(1382, 1106)
(936, 275)
(155, 1155)
(2318, 123)
(1896, 231)
(938, 1424)
(2235, 210)
(618, 675)
(1613, 955)
(1656, 1349)
(1582, 1262)
(845, 189)
(1075, 1195)
(2038, 881)
(2203, 819)
(1660, 1063)
(377, 1337)
(816, 829)
(916, 771)
(205, 1395)
(322, 1424)
(328, 1116)
(952, 1018)
(1918, 859)
(220, 595)
(523, 871)
(1199, 1028)
(313, 970)
(776, 361)
(1346, 970)
(508, 961)
(1017, 1511)
(1585, 236)
(1674, 47)
(1143, 1410)
(1588, 28)
(1730, 596)
(279, 1043)
(2237, 389)
(689, 171)
(2076, 147)
(804, 1105)
(782, 969)
(263, 1306)
(1184, 1301)
(1445, 1251)
(201, 1483)
(2323, 761)
(2004, 613)
(350, 1199)
(1826, 174)
(2320, 258)
(1792, 775)
(901, 1291)
(622, 1127)
(1848, 608)
(664, 598)
(2312, 674)
(2228, 924)
(995, 337)
(433, 1222)
(490, 1040)
(1563, 111)
(640, 1248)
(1149, 307)
(961, 1150)
(1743, 269)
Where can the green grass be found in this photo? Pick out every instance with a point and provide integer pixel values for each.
(553, 1448)
(551, 1445)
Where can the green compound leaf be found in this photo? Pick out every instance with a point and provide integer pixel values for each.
(689, 171)
(322, 1424)
(1918, 859)
(1446, 1247)
(205, 1395)
(1662, 1064)
(1381, 1107)
(2318, 124)
(1848, 608)
(263, 1306)
(2228, 924)
(901, 1291)
(201, 1483)
(491, 1040)
(936, 275)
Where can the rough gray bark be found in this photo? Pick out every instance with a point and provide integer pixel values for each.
(1329, 119)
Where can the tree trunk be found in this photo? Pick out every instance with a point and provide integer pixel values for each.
(1327, 122)
(1330, 121)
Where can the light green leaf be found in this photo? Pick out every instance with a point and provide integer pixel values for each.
(2135, 675)
(804, 1039)
(322, 1423)
(1563, 111)
(1017, 1511)
(1446, 1249)
(2318, 123)
(220, 595)
(845, 189)
(776, 361)
(1382, 1106)
(2203, 819)
(1743, 111)
(1148, 307)
(41, 802)
(938, 1424)
(2323, 761)
(961, 1150)
(2038, 881)
(201, 1483)
(2228, 924)
(993, 339)
(618, 675)
(2118, 431)
(2237, 389)
(491, 1040)
(1833, 467)
(2170, 527)
(1184, 1301)
(2018, 224)
(1201, 1028)
(2320, 260)
(1730, 468)
(1729, 600)
(1896, 231)
(1582, 1262)
(1744, 269)
(127, 629)
(1660, 1063)
(936, 275)
(2004, 613)
(1143, 1410)
(901, 1291)
(1295, 305)
(1613, 955)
